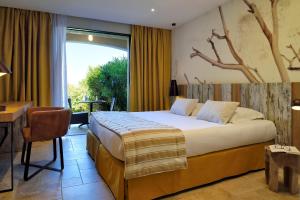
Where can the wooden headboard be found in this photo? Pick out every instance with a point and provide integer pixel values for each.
(272, 99)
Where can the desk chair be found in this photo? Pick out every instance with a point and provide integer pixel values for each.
(44, 123)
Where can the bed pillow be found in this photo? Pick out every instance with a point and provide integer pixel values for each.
(197, 109)
(245, 114)
(183, 106)
(217, 111)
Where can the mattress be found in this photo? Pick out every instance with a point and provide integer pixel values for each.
(201, 136)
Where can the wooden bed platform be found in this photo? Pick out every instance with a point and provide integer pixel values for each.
(201, 170)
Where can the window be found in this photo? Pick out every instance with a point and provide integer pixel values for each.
(97, 68)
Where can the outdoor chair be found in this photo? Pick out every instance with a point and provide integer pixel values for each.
(81, 118)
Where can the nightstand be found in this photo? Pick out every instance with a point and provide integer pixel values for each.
(291, 167)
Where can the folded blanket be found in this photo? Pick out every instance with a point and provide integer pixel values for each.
(149, 147)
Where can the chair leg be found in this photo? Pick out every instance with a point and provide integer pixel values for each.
(61, 154)
(27, 161)
(23, 153)
(54, 149)
(46, 166)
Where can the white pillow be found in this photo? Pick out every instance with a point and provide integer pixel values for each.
(183, 106)
(217, 111)
(245, 114)
(197, 109)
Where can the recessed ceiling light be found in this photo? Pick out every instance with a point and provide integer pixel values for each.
(90, 38)
(152, 9)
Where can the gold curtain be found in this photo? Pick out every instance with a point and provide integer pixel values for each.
(150, 68)
(25, 38)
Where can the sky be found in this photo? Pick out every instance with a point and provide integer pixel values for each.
(82, 55)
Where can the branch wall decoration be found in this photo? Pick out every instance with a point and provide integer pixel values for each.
(293, 59)
(272, 37)
(240, 65)
(269, 31)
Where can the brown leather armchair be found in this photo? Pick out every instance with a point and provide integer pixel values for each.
(44, 123)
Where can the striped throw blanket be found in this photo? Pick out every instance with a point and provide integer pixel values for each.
(149, 147)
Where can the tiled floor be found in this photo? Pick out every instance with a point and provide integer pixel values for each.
(80, 179)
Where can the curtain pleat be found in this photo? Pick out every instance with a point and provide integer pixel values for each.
(150, 68)
(25, 38)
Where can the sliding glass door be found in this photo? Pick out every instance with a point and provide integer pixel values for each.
(97, 68)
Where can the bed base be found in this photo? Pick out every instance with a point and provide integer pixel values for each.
(201, 170)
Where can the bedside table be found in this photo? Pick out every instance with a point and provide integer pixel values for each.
(291, 166)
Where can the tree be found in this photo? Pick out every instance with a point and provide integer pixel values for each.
(109, 80)
(77, 93)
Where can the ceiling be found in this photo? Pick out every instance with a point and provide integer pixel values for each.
(123, 11)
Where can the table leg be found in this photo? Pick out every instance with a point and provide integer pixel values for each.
(286, 176)
(12, 155)
(267, 166)
(273, 176)
(91, 107)
(291, 180)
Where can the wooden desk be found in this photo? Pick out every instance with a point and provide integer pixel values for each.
(14, 110)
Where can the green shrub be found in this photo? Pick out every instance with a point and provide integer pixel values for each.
(77, 93)
(109, 80)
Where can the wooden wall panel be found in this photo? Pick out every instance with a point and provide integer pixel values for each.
(207, 92)
(196, 91)
(236, 92)
(244, 95)
(182, 90)
(279, 109)
(190, 91)
(258, 97)
(226, 92)
(254, 96)
(296, 117)
(217, 92)
(272, 99)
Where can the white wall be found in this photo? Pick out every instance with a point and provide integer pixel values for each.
(247, 37)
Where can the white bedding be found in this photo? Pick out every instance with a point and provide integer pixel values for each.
(201, 136)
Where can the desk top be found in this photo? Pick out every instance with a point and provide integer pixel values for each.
(13, 110)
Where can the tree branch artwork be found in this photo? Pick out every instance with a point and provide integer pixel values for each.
(240, 65)
(198, 80)
(187, 79)
(272, 37)
(291, 60)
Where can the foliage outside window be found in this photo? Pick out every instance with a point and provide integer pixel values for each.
(103, 82)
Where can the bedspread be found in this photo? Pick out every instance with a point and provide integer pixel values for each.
(149, 147)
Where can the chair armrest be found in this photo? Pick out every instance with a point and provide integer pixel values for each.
(48, 124)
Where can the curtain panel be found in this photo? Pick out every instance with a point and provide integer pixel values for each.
(59, 88)
(150, 68)
(25, 45)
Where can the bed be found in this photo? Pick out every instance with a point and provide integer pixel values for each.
(214, 151)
